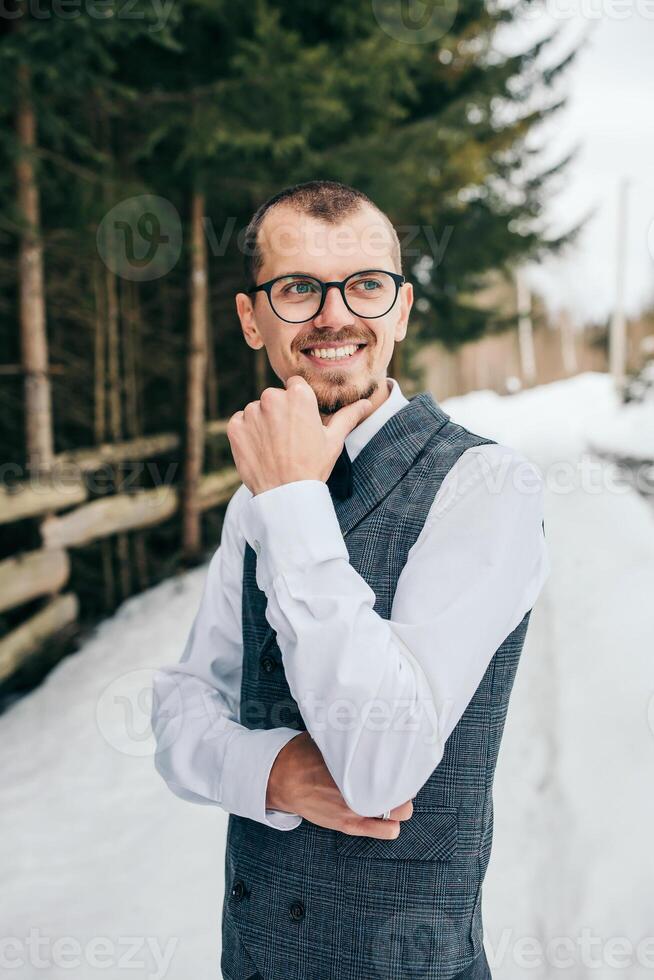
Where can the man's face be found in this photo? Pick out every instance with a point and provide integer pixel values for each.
(292, 242)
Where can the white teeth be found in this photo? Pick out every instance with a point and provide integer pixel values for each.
(333, 352)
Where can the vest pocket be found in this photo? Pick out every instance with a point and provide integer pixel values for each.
(430, 834)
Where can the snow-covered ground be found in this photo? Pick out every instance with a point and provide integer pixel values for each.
(103, 870)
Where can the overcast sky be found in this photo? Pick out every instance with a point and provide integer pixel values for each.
(611, 113)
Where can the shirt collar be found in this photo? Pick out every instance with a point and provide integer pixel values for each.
(360, 434)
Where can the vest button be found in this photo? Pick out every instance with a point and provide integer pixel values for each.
(297, 911)
(239, 890)
(268, 664)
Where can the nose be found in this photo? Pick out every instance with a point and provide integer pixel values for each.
(334, 313)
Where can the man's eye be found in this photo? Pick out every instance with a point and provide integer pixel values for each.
(367, 285)
(300, 288)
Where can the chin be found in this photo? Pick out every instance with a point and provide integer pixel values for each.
(334, 393)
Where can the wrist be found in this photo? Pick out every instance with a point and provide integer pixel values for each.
(276, 789)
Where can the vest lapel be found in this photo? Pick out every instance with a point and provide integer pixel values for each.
(388, 456)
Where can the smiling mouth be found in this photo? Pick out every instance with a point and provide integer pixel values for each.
(333, 354)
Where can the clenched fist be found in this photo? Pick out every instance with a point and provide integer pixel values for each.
(281, 438)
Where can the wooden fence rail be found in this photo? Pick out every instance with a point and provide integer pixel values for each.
(130, 511)
(64, 485)
(22, 642)
(31, 574)
(45, 571)
(40, 497)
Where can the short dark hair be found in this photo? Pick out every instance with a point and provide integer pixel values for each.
(328, 200)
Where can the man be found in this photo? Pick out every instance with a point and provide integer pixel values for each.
(343, 690)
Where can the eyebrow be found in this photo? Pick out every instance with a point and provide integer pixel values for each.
(312, 275)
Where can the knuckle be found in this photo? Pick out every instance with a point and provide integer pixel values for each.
(301, 390)
(269, 395)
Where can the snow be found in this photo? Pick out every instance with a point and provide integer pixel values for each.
(105, 870)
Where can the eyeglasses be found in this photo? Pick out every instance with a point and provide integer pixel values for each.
(298, 298)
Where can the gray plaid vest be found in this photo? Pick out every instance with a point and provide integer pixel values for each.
(316, 904)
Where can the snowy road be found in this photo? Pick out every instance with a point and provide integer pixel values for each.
(103, 870)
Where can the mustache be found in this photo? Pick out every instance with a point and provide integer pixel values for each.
(317, 341)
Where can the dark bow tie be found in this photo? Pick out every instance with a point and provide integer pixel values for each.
(339, 480)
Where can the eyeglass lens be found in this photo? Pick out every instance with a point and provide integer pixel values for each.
(297, 298)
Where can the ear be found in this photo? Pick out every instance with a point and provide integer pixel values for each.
(245, 310)
(406, 302)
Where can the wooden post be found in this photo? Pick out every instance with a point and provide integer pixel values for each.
(618, 326)
(568, 350)
(34, 344)
(195, 382)
(525, 329)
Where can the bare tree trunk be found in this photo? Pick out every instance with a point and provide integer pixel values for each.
(260, 370)
(212, 450)
(113, 356)
(131, 337)
(100, 417)
(130, 322)
(100, 364)
(195, 382)
(116, 416)
(34, 344)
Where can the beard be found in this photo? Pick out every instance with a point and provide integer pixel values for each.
(334, 391)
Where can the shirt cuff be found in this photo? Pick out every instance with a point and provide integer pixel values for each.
(246, 769)
(291, 527)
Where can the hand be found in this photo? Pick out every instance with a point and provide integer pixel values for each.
(281, 438)
(301, 783)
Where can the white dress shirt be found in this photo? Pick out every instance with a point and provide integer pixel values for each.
(379, 697)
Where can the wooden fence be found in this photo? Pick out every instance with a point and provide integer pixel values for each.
(59, 500)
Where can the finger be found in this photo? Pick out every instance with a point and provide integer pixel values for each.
(233, 425)
(403, 812)
(342, 422)
(381, 829)
(296, 381)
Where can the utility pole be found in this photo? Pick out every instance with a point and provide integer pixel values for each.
(618, 327)
(568, 349)
(525, 329)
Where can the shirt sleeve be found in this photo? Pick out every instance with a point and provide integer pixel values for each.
(381, 697)
(203, 752)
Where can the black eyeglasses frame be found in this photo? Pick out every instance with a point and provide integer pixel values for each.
(266, 287)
